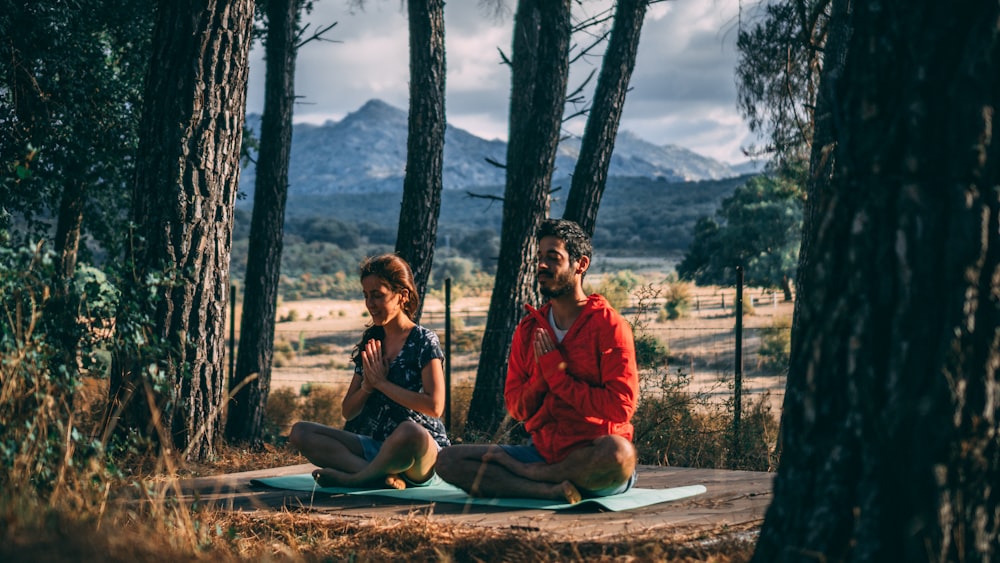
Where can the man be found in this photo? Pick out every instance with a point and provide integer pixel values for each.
(572, 379)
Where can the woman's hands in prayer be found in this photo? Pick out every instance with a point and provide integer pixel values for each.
(376, 368)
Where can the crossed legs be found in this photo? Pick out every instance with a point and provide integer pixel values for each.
(489, 471)
(409, 451)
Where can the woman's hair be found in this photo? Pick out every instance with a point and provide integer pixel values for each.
(395, 272)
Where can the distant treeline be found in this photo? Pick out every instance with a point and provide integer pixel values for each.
(330, 234)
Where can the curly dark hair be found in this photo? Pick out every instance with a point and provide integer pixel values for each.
(577, 242)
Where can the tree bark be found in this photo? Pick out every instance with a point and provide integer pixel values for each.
(891, 431)
(246, 410)
(540, 71)
(184, 193)
(421, 205)
(591, 173)
(823, 156)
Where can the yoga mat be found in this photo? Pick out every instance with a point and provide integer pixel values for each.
(633, 498)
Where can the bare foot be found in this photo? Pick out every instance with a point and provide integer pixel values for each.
(571, 493)
(395, 482)
(500, 457)
(327, 477)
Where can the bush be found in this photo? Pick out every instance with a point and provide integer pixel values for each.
(650, 352)
(678, 300)
(671, 427)
(322, 405)
(50, 331)
(282, 409)
(617, 288)
(776, 345)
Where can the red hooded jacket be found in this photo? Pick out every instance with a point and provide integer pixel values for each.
(586, 388)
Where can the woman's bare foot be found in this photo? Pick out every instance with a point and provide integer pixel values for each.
(395, 482)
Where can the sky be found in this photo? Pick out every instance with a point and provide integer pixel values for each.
(683, 87)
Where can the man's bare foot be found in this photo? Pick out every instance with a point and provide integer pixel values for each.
(327, 477)
(571, 493)
(395, 482)
(500, 457)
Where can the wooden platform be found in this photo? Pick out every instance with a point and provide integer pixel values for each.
(735, 502)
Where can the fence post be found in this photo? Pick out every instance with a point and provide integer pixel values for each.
(447, 353)
(738, 387)
(232, 330)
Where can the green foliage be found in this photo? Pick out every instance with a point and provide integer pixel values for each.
(71, 87)
(650, 352)
(46, 335)
(677, 303)
(776, 344)
(778, 72)
(617, 288)
(759, 228)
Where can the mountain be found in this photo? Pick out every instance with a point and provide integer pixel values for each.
(366, 153)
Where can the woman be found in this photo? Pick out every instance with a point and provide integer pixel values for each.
(394, 403)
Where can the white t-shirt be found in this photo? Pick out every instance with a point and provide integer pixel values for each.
(560, 333)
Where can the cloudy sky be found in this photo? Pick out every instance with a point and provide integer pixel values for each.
(683, 85)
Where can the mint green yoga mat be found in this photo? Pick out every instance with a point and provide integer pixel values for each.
(443, 492)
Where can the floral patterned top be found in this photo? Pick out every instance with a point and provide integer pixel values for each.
(381, 415)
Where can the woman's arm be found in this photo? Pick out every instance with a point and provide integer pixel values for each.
(429, 400)
(356, 397)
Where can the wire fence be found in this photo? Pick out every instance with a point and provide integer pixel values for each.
(702, 346)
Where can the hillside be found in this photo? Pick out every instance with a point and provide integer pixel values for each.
(366, 153)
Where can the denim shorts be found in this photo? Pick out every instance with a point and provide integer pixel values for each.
(529, 454)
(370, 448)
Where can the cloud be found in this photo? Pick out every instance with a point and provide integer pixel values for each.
(683, 89)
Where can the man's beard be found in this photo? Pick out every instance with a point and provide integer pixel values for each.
(561, 285)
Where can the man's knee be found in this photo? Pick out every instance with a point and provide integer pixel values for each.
(445, 463)
(617, 451)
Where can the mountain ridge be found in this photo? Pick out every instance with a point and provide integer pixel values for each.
(365, 152)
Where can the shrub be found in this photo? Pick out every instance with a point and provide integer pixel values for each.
(617, 288)
(678, 300)
(322, 405)
(671, 424)
(775, 345)
(50, 331)
(282, 408)
(461, 398)
(650, 352)
(758, 435)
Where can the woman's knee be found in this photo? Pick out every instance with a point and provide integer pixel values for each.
(298, 435)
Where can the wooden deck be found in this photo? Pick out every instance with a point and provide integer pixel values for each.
(735, 502)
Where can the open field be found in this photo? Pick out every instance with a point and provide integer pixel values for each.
(314, 339)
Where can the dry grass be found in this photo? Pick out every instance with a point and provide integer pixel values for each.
(127, 535)
(94, 515)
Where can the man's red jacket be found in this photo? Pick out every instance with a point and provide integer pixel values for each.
(586, 388)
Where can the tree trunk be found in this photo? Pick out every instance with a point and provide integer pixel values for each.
(823, 156)
(540, 70)
(421, 205)
(245, 417)
(891, 432)
(186, 182)
(591, 173)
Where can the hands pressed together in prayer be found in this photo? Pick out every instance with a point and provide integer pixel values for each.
(543, 343)
(376, 368)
